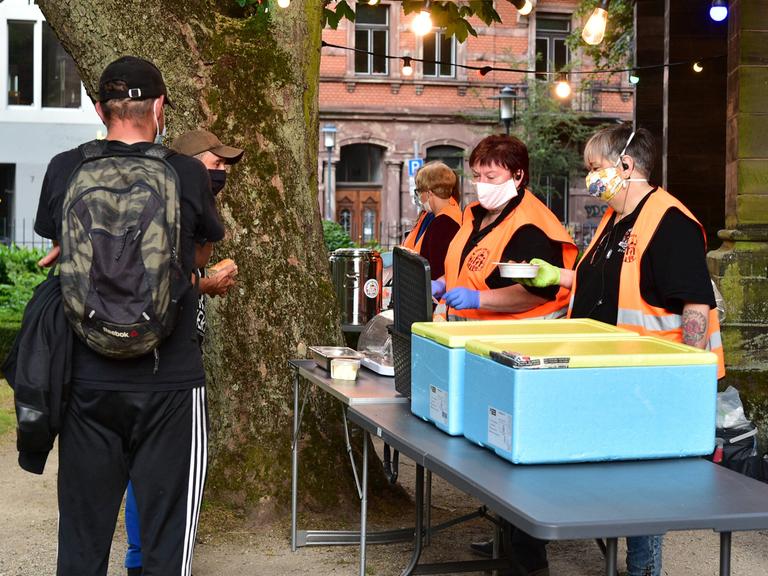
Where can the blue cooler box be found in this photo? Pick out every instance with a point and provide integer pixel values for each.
(626, 399)
(437, 358)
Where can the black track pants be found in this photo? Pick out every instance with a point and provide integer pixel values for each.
(159, 441)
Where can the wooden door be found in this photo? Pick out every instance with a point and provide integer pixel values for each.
(358, 212)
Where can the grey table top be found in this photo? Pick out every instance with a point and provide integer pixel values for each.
(369, 388)
(576, 501)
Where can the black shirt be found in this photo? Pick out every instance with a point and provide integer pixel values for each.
(180, 364)
(526, 243)
(673, 270)
(437, 238)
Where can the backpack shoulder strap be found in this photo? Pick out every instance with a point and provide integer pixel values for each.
(93, 149)
(159, 151)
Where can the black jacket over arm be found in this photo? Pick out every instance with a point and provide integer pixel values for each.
(38, 369)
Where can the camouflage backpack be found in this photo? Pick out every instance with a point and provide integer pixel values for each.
(121, 280)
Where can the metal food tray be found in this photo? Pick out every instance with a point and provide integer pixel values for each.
(323, 355)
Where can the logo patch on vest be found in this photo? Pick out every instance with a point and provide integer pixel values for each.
(630, 247)
(477, 259)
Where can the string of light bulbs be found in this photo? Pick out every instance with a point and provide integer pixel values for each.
(697, 64)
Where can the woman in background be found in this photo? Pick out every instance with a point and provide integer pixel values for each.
(438, 189)
(508, 223)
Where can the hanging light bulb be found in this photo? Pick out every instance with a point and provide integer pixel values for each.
(422, 23)
(697, 67)
(523, 6)
(633, 77)
(562, 88)
(373, 2)
(718, 11)
(407, 68)
(283, 3)
(594, 29)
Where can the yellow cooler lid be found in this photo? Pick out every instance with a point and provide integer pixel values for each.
(456, 334)
(618, 352)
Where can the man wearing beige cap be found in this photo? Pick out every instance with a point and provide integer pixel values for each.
(216, 157)
(214, 281)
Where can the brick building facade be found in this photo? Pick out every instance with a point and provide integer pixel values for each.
(384, 118)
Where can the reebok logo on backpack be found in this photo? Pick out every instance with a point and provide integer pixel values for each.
(121, 280)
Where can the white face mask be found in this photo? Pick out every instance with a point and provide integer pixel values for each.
(159, 136)
(493, 196)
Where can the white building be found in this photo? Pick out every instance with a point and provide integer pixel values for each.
(44, 110)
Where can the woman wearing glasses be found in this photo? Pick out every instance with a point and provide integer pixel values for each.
(437, 187)
(507, 223)
(645, 269)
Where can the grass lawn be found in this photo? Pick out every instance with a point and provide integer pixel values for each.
(7, 413)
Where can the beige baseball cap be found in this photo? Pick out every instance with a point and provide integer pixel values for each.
(198, 141)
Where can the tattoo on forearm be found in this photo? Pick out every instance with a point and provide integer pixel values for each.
(694, 327)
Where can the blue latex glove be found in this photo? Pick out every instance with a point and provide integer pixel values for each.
(463, 298)
(438, 289)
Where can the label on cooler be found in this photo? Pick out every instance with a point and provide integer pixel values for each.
(438, 405)
(499, 429)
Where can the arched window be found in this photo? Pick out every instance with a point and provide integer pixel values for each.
(359, 164)
(452, 156)
(369, 225)
(345, 219)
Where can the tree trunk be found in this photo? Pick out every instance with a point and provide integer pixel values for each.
(254, 83)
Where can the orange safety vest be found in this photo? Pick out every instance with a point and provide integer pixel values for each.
(452, 210)
(410, 241)
(634, 313)
(480, 262)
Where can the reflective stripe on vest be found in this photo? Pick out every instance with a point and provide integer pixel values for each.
(634, 313)
(480, 262)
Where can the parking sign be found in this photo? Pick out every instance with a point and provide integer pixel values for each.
(413, 165)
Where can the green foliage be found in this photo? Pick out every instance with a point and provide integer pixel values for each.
(7, 412)
(553, 133)
(19, 274)
(335, 236)
(615, 51)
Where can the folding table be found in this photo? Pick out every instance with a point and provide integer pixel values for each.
(571, 501)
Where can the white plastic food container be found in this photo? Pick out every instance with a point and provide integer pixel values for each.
(517, 270)
(344, 368)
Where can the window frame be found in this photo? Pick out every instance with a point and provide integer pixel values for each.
(15, 11)
(369, 29)
(551, 37)
(440, 35)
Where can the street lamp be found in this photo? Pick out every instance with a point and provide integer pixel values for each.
(329, 139)
(507, 106)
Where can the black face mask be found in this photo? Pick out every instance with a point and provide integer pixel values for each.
(218, 179)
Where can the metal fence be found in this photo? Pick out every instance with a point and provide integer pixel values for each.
(21, 232)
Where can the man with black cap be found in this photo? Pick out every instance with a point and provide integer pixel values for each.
(143, 418)
(214, 281)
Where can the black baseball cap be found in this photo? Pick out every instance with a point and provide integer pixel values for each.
(143, 80)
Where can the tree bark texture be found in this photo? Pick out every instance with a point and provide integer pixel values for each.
(253, 83)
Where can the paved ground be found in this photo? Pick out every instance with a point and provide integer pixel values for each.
(28, 546)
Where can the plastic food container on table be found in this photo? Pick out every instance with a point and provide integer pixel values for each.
(619, 399)
(437, 358)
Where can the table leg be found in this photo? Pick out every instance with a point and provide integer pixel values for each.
(294, 458)
(725, 554)
(364, 504)
(428, 511)
(419, 528)
(611, 548)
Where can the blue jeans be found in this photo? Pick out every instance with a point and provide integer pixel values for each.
(644, 555)
(133, 556)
